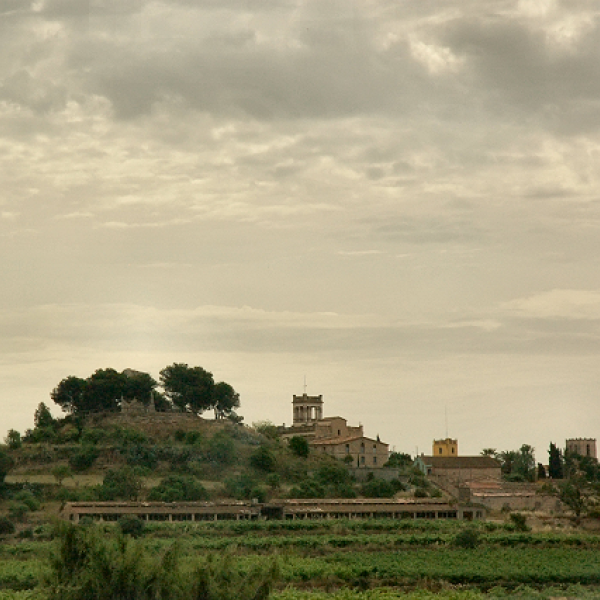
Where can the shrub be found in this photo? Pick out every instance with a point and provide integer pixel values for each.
(7, 527)
(221, 449)
(262, 459)
(421, 493)
(83, 458)
(140, 455)
(467, 538)
(378, 488)
(273, 480)
(6, 464)
(258, 493)
(120, 484)
(519, 520)
(178, 488)
(61, 472)
(18, 511)
(240, 487)
(131, 525)
(299, 446)
(88, 564)
(193, 437)
(28, 499)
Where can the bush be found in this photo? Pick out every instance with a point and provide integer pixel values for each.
(83, 458)
(240, 487)
(421, 493)
(120, 484)
(467, 538)
(140, 455)
(27, 498)
(131, 525)
(193, 438)
(263, 460)
(7, 527)
(18, 511)
(178, 488)
(221, 449)
(299, 446)
(378, 488)
(519, 520)
(88, 564)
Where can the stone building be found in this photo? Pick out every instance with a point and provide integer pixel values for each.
(333, 435)
(357, 451)
(582, 446)
(457, 470)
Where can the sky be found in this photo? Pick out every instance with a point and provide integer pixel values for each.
(397, 201)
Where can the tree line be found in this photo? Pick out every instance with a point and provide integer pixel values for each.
(182, 388)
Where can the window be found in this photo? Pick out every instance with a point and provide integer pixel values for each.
(362, 448)
(374, 449)
(347, 448)
(362, 461)
(440, 451)
(374, 460)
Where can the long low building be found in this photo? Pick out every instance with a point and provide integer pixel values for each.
(278, 509)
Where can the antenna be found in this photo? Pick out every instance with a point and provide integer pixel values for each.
(305, 385)
(446, 414)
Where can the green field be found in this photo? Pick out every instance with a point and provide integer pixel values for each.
(355, 560)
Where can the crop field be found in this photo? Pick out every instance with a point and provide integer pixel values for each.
(355, 560)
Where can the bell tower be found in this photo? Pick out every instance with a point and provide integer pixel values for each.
(307, 409)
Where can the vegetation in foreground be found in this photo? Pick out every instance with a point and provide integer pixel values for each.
(345, 560)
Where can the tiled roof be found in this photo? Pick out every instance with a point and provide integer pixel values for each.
(335, 441)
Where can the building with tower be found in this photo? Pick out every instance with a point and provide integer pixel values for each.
(447, 447)
(333, 435)
(582, 446)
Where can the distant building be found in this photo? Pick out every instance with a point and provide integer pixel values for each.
(582, 446)
(459, 469)
(333, 435)
(447, 447)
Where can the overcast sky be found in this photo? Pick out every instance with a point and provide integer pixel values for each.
(397, 199)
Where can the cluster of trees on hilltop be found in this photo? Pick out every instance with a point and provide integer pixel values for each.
(184, 388)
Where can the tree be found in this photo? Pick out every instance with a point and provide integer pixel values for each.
(178, 488)
(13, 439)
(555, 462)
(518, 465)
(572, 494)
(42, 417)
(299, 446)
(489, 452)
(104, 390)
(69, 394)
(120, 484)
(188, 388)
(225, 400)
(399, 460)
(541, 471)
(138, 385)
(6, 464)
(61, 472)
(262, 459)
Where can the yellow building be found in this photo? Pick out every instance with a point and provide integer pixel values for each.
(447, 447)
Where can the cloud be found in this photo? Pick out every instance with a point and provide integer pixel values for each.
(558, 304)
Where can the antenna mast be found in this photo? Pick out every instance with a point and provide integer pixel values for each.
(446, 415)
